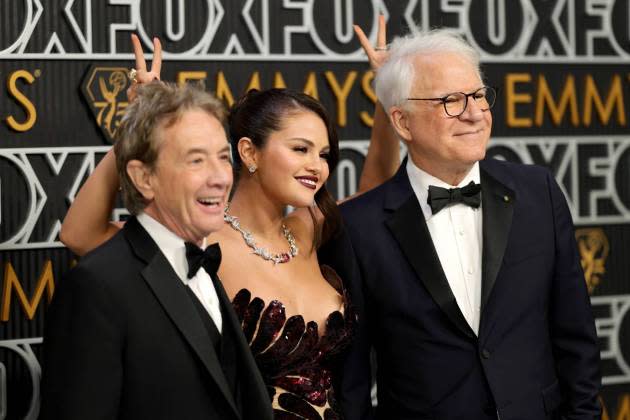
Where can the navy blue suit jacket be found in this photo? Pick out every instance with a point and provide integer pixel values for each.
(536, 355)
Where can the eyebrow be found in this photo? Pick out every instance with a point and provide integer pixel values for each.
(205, 151)
(309, 142)
(465, 93)
(196, 150)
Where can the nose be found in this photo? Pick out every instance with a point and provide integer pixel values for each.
(473, 111)
(219, 174)
(314, 164)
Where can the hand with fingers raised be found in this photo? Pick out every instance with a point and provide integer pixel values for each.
(140, 74)
(378, 54)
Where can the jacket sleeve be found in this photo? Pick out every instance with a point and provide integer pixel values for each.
(354, 377)
(83, 341)
(574, 338)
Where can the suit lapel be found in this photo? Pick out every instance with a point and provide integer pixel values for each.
(246, 361)
(410, 230)
(170, 292)
(498, 206)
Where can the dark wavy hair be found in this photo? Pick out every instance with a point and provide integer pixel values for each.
(258, 113)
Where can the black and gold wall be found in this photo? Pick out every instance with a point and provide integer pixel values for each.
(562, 69)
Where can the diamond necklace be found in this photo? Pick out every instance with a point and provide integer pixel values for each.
(263, 252)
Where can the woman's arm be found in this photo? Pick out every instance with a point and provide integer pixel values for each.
(383, 157)
(87, 224)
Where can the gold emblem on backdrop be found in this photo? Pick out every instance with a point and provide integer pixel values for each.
(594, 248)
(105, 90)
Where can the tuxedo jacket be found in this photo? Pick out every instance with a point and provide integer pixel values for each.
(536, 355)
(124, 340)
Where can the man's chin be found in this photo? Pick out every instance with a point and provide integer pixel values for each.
(210, 227)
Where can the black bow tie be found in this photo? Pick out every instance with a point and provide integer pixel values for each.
(442, 197)
(209, 259)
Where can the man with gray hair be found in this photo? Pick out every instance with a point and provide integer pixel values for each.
(467, 272)
(141, 328)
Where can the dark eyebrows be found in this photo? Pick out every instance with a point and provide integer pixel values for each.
(303, 140)
(309, 142)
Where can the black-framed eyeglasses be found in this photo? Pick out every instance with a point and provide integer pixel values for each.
(455, 103)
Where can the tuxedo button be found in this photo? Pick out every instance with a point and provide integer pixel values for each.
(485, 354)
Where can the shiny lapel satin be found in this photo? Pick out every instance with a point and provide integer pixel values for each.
(498, 206)
(410, 230)
(171, 294)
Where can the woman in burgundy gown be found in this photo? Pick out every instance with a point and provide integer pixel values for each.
(296, 315)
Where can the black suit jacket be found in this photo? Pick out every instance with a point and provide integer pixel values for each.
(536, 356)
(123, 340)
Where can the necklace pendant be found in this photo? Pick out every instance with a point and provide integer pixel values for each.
(263, 252)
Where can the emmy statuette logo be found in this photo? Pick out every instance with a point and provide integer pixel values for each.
(104, 89)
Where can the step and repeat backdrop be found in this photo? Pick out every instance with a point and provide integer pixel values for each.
(562, 69)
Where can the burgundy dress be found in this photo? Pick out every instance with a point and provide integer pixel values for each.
(295, 362)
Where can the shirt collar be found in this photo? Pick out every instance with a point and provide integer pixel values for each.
(420, 181)
(171, 245)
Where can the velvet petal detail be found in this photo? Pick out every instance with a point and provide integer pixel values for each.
(251, 317)
(298, 406)
(272, 359)
(271, 322)
(296, 363)
(241, 302)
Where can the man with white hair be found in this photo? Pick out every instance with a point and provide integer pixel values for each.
(467, 272)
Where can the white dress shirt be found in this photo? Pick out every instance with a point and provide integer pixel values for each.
(174, 249)
(456, 231)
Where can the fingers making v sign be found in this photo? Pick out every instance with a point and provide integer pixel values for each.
(140, 74)
(378, 54)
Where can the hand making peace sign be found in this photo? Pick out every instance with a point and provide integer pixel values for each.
(376, 55)
(139, 74)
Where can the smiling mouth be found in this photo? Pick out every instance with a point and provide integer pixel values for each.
(468, 133)
(211, 202)
(308, 181)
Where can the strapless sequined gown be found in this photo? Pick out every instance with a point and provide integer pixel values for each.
(295, 362)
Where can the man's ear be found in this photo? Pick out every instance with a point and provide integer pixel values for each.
(140, 175)
(400, 121)
(247, 151)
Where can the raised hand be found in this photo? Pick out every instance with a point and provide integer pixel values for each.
(376, 55)
(383, 157)
(142, 75)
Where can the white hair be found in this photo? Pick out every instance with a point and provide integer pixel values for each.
(394, 79)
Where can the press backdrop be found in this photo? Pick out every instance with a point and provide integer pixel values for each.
(562, 69)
